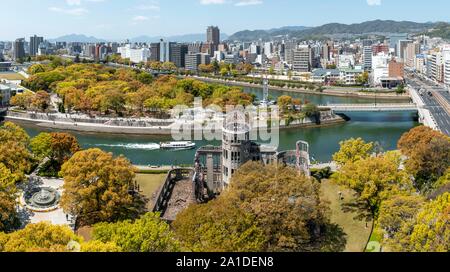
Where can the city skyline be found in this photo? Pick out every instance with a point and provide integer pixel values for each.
(162, 18)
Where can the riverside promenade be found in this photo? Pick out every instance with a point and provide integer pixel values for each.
(144, 126)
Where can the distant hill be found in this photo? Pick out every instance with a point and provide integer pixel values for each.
(78, 38)
(441, 30)
(377, 26)
(188, 38)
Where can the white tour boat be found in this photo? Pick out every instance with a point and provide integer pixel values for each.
(177, 145)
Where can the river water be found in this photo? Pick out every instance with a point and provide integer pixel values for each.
(385, 128)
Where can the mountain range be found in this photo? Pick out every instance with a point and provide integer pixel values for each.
(177, 38)
(332, 30)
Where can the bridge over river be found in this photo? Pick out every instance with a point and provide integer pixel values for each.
(405, 107)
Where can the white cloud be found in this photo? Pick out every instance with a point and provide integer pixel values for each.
(374, 2)
(248, 3)
(139, 18)
(237, 3)
(73, 2)
(153, 7)
(70, 11)
(212, 2)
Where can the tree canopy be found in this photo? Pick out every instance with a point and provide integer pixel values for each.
(100, 188)
(353, 150)
(265, 208)
(146, 234)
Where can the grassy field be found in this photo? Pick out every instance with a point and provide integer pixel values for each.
(357, 234)
(11, 76)
(149, 184)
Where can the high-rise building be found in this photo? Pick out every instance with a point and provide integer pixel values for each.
(35, 41)
(19, 49)
(437, 66)
(302, 59)
(393, 41)
(412, 49)
(446, 60)
(367, 57)
(402, 45)
(164, 51)
(213, 37)
(155, 51)
(177, 54)
(193, 60)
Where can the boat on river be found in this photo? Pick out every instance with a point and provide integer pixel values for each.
(177, 145)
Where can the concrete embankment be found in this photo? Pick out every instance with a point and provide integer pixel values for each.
(100, 128)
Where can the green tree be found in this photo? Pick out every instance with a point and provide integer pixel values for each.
(41, 237)
(8, 203)
(41, 145)
(99, 188)
(145, 78)
(353, 150)
(374, 180)
(218, 227)
(429, 231)
(397, 210)
(146, 234)
(284, 102)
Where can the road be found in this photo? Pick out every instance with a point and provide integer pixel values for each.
(436, 99)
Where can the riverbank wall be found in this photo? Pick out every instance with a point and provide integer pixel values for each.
(98, 127)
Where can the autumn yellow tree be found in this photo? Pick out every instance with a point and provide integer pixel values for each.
(100, 188)
(374, 179)
(428, 153)
(265, 208)
(428, 231)
(8, 203)
(146, 234)
(353, 150)
(41, 237)
(14, 153)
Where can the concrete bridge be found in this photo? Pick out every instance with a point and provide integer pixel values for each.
(372, 107)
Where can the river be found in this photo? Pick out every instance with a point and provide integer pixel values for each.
(385, 128)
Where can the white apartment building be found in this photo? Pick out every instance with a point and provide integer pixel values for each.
(437, 66)
(136, 55)
(446, 60)
(346, 61)
(380, 67)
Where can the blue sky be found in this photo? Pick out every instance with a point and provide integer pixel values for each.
(118, 19)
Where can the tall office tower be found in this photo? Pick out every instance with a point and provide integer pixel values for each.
(437, 66)
(213, 37)
(178, 53)
(302, 59)
(393, 42)
(402, 49)
(412, 50)
(289, 52)
(35, 41)
(164, 51)
(192, 61)
(19, 49)
(367, 57)
(155, 51)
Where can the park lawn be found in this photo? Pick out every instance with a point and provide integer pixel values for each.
(357, 234)
(150, 183)
(11, 76)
